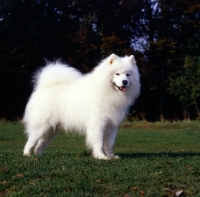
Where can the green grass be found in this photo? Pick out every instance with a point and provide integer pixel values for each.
(157, 159)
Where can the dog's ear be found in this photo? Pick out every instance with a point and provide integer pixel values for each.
(132, 59)
(112, 57)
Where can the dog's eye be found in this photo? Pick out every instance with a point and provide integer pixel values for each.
(127, 75)
(117, 73)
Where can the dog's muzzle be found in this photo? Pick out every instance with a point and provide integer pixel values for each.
(121, 88)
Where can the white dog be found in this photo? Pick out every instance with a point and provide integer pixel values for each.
(94, 104)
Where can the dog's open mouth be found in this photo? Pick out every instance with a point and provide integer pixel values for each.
(121, 88)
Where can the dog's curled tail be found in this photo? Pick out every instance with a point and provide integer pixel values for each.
(53, 74)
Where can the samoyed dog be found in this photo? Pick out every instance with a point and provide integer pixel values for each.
(93, 104)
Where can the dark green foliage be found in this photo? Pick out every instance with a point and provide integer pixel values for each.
(186, 84)
(173, 34)
(81, 33)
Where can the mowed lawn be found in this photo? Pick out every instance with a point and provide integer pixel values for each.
(157, 159)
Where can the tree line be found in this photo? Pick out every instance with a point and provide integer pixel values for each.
(163, 35)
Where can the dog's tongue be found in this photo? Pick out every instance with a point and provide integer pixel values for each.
(122, 88)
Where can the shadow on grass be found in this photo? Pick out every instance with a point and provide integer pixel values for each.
(158, 154)
(136, 154)
(122, 155)
(87, 154)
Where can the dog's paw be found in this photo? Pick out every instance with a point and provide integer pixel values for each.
(114, 157)
(26, 154)
(103, 157)
(111, 155)
(117, 157)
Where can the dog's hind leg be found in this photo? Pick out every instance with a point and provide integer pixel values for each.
(44, 141)
(34, 136)
(32, 141)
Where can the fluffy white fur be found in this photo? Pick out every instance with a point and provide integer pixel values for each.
(94, 104)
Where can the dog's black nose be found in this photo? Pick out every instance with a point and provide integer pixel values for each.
(124, 82)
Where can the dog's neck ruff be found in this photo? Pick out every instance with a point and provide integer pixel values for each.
(120, 88)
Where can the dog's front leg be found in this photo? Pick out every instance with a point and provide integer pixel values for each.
(94, 140)
(109, 140)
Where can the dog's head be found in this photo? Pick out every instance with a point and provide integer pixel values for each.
(124, 71)
(121, 81)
